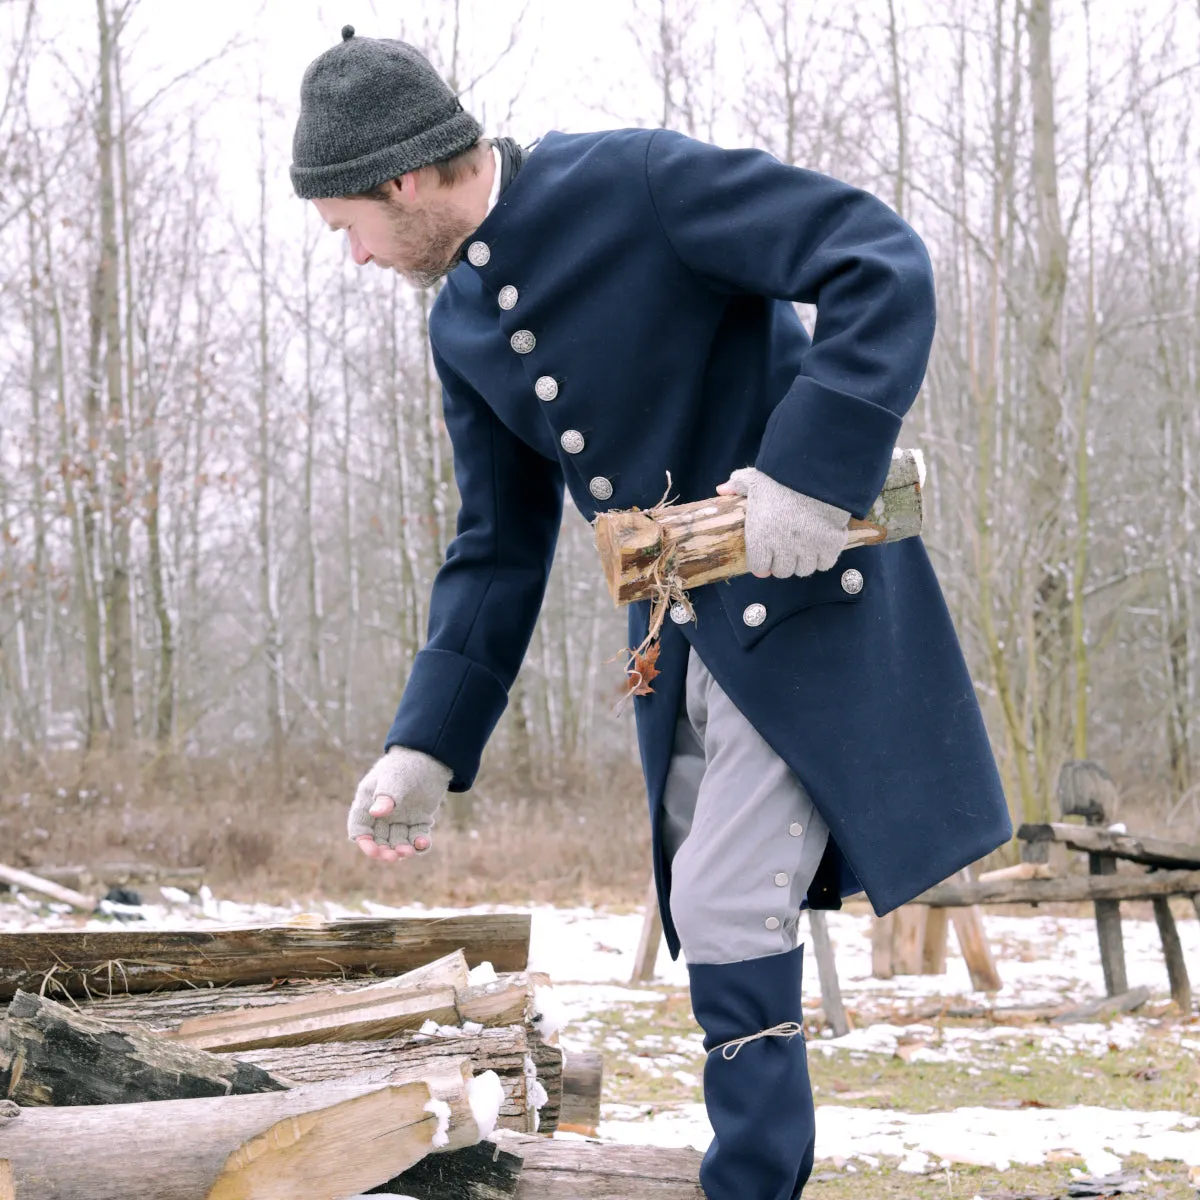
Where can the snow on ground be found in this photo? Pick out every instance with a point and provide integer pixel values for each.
(1043, 960)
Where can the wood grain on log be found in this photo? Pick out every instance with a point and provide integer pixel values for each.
(43, 887)
(882, 939)
(572, 1170)
(273, 1146)
(1064, 890)
(504, 1051)
(908, 939)
(1021, 870)
(975, 949)
(53, 1055)
(107, 963)
(363, 1016)
(381, 1010)
(1154, 852)
(705, 540)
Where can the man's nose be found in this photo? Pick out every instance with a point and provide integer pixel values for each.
(358, 252)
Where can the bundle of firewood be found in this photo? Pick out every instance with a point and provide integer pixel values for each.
(278, 1083)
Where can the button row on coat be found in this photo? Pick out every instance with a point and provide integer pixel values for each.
(756, 614)
(546, 388)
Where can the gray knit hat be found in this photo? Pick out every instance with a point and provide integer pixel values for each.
(372, 109)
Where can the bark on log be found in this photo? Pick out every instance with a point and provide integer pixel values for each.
(570, 1170)
(508, 1051)
(1107, 1006)
(108, 963)
(482, 1172)
(705, 540)
(27, 882)
(1065, 890)
(1154, 852)
(52, 1055)
(273, 1146)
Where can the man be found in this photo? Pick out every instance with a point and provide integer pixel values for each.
(618, 306)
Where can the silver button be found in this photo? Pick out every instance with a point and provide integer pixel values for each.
(507, 297)
(572, 441)
(522, 341)
(795, 829)
(601, 488)
(781, 879)
(546, 387)
(772, 923)
(852, 582)
(679, 614)
(754, 614)
(479, 254)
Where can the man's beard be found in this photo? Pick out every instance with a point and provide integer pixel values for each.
(441, 239)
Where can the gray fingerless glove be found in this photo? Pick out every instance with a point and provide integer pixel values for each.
(415, 781)
(787, 532)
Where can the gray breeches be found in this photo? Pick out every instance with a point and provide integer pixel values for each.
(742, 835)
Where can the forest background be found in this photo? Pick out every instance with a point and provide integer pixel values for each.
(225, 485)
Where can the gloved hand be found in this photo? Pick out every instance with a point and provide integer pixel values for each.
(787, 532)
(393, 808)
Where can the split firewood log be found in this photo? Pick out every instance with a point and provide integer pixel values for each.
(53, 1055)
(438, 992)
(321, 1141)
(704, 541)
(529, 1069)
(84, 963)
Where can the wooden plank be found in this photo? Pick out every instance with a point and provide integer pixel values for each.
(908, 939)
(273, 1146)
(882, 937)
(937, 932)
(572, 1170)
(831, 990)
(1177, 974)
(583, 1082)
(54, 1055)
(103, 963)
(8, 1189)
(1153, 852)
(27, 882)
(651, 938)
(1067, 889)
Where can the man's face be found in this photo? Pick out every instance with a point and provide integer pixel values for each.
(414, 231)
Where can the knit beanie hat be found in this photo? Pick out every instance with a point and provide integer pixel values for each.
(372, 109)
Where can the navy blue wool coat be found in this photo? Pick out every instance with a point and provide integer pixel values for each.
(626, 310)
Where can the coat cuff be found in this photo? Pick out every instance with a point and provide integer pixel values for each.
(829, 445)
(449, 708)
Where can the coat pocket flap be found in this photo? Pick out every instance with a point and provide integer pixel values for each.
(755, 606)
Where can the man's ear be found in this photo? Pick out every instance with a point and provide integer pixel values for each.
(407, 186)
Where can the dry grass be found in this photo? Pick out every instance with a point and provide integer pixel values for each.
(571, 835)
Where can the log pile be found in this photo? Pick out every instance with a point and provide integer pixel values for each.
(278, 1083)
